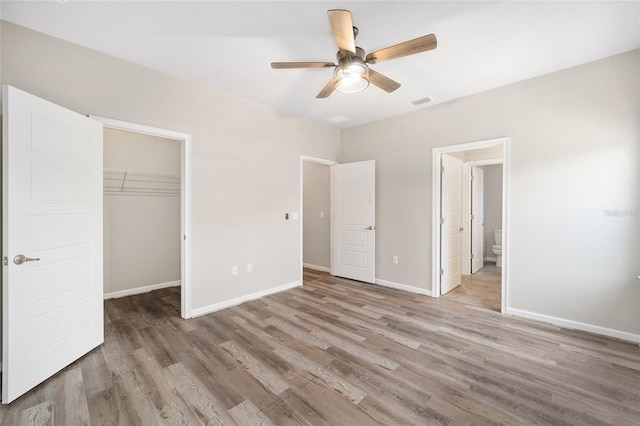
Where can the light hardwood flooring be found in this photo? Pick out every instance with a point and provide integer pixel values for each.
(336, 352)
(483, 288)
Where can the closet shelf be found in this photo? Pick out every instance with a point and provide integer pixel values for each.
(130, 182)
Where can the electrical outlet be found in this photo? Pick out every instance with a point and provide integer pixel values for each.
(395, 260)
(249, 267)
(234, 270)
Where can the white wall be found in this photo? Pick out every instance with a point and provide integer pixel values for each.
(490, 153)
(245, 156)
(316, 209)
(492, 205)
(141, 232)
(573, 157)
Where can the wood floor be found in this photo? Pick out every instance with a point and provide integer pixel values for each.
(484, 288)
(336, 352)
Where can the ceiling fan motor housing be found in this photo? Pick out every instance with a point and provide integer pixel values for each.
(344, 57)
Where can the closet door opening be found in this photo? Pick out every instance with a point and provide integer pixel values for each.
(145, 202)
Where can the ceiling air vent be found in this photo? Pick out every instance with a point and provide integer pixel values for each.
(337, 119)
(421, 101)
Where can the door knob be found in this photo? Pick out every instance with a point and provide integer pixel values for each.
(369, 228)
(21, 258)
(461, 229)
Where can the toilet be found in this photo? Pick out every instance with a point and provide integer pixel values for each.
(497, 247)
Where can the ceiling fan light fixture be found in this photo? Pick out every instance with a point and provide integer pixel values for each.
(352, 77)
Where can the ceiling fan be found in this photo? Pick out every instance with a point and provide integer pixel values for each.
(352, 73)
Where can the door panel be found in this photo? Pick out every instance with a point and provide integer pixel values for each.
(52, 205)
(451, 228)
(477, 223)
(353, 248)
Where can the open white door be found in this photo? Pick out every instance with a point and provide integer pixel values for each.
(477, 219)
(451, 224)
(52, 302)
(354, 232)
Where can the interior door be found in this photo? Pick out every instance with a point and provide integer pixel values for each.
(477, 219)
(451, 224)
(354, 231)
(52, 303)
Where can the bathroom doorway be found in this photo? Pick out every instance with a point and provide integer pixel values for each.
(481, 276)
(481, 281)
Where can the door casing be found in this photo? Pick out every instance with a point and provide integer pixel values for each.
(185, 196)
(436, 206)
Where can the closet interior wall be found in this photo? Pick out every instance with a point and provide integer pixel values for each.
(141, 213)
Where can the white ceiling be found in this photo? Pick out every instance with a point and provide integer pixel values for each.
(229, 45)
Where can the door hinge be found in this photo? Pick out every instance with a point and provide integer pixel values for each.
(441, 271)
(472, 177)
(5, 261)
(442, 221)
(441, 169)
(472, 217)
(473, 255)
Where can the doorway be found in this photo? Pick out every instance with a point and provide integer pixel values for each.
(163, 185)
(351, 219)
(315, 215)
(469, 155)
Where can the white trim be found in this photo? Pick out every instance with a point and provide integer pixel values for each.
(196, 312)
(403, 287)
(435, 213)
(325, 162)
(576, 325)
(140, 290)
(139, 128)
(316, 267)
(185, 196)
(487, 162)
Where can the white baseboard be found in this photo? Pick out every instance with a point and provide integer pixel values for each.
(403, 287)
(238, 300)
(140, 290)
(623, 335)
(490, 259)
(316, 267)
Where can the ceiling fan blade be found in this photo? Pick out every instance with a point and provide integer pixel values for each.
(342, 27)
(420, 44)
(328, 89)
(383, 82)
(289, 65)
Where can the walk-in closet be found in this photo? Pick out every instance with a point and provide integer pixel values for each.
(141, 213)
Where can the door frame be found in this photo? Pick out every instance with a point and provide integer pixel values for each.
(324, 162)
(466, 210)
(436, 205)
(185, 197)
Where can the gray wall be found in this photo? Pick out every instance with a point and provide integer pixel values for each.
(141, 232)
(316, 203)
(492, 205)
(245, 156)
(573, 158)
